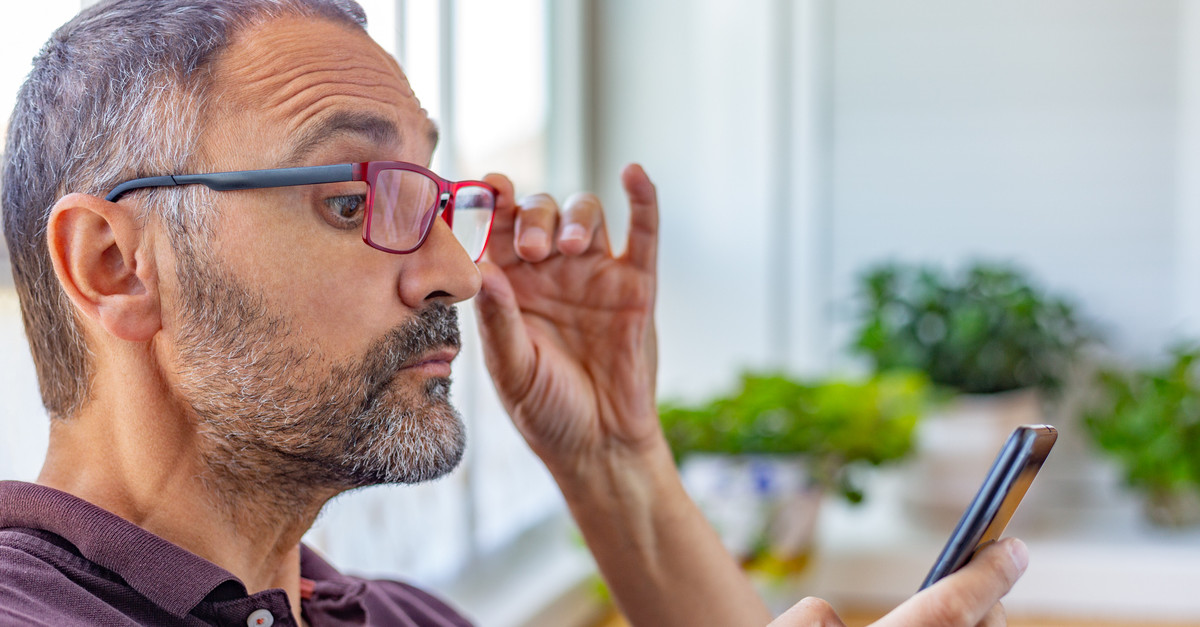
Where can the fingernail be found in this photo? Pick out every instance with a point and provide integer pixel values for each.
(1019, 554)
(534, 237)
(574, 231)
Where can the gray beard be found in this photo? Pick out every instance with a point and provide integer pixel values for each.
(281, 422)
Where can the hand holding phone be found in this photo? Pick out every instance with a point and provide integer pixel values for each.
(993, 506)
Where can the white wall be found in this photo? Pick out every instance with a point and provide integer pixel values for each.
(683, 88)
(1187, 233)
(1037, 131)
(1041, 132)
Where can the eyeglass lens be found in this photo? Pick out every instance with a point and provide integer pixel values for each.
(472, 219)
(404, 207)
(401, 209)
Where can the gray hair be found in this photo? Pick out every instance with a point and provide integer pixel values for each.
(116, 93)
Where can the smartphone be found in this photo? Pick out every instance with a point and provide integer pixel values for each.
(1006, 483)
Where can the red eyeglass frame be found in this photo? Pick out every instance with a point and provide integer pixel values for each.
(366, 172)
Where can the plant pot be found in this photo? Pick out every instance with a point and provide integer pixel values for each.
(1173, 509)
(955, 447)
(764, 508)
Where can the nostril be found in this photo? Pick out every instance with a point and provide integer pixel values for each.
(437, 294)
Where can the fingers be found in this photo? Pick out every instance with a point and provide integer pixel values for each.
(500, 244)
(582, 228)
(643, 217)
(537, 223)
(542, 229)
(534, 228)
(965, 598)
(809, 612)
(506, 346)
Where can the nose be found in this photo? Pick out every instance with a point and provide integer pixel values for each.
(440, 270)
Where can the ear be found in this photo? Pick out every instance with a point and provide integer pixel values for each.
(105, 266)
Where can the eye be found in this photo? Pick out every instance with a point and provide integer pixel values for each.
(345, 211)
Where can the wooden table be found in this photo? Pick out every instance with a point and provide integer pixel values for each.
(862, 618)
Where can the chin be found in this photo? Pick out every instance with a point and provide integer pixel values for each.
(409, 443)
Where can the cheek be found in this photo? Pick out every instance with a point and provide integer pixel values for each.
(336, 291)
(268, 239)
(345, 303)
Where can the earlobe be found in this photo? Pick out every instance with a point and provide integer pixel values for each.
(103, 263)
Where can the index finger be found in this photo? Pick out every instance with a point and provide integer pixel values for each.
(965, 597)
(643, 217)
(501, 250)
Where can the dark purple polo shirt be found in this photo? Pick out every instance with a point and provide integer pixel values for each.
(64, 561)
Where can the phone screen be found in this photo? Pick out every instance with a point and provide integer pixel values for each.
(988, 514)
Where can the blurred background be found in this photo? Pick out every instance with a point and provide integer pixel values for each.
(890, 232)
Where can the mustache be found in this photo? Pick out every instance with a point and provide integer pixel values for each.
(434, 327)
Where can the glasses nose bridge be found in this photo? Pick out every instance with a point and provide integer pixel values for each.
(445, 206)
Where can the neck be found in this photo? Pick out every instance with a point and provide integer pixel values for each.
(141, 458)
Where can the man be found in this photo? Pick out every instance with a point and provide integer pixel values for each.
(223, 353)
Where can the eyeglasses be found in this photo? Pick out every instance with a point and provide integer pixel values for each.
(402, 199)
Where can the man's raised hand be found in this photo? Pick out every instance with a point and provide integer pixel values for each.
(568, 327)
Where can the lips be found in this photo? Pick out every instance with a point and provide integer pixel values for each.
(437, 358)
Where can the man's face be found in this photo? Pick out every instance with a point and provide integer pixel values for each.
(308, 356)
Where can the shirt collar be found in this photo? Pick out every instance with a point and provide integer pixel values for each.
(168, 575)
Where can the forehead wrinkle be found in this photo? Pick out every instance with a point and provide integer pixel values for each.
(278, 71)
(375, 129)
(293, 90)
(263, 53)
(269, 41)
(304, 105)
(283, 86)
(306, 116)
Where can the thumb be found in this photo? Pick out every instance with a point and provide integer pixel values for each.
(507, 350)
(965, 597)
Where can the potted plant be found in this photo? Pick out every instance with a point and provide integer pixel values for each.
(991, 340)
(1149, 421)
(986, 331)
(759, 459)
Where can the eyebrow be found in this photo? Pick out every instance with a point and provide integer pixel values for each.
(432, 134)
(375, 129)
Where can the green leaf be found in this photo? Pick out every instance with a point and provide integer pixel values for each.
(987, 330)
(1149, 420)
(833, 424)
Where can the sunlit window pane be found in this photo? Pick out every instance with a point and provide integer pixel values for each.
(500, 90)
(381, 23)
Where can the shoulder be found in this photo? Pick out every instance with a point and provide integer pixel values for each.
(391, 598)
